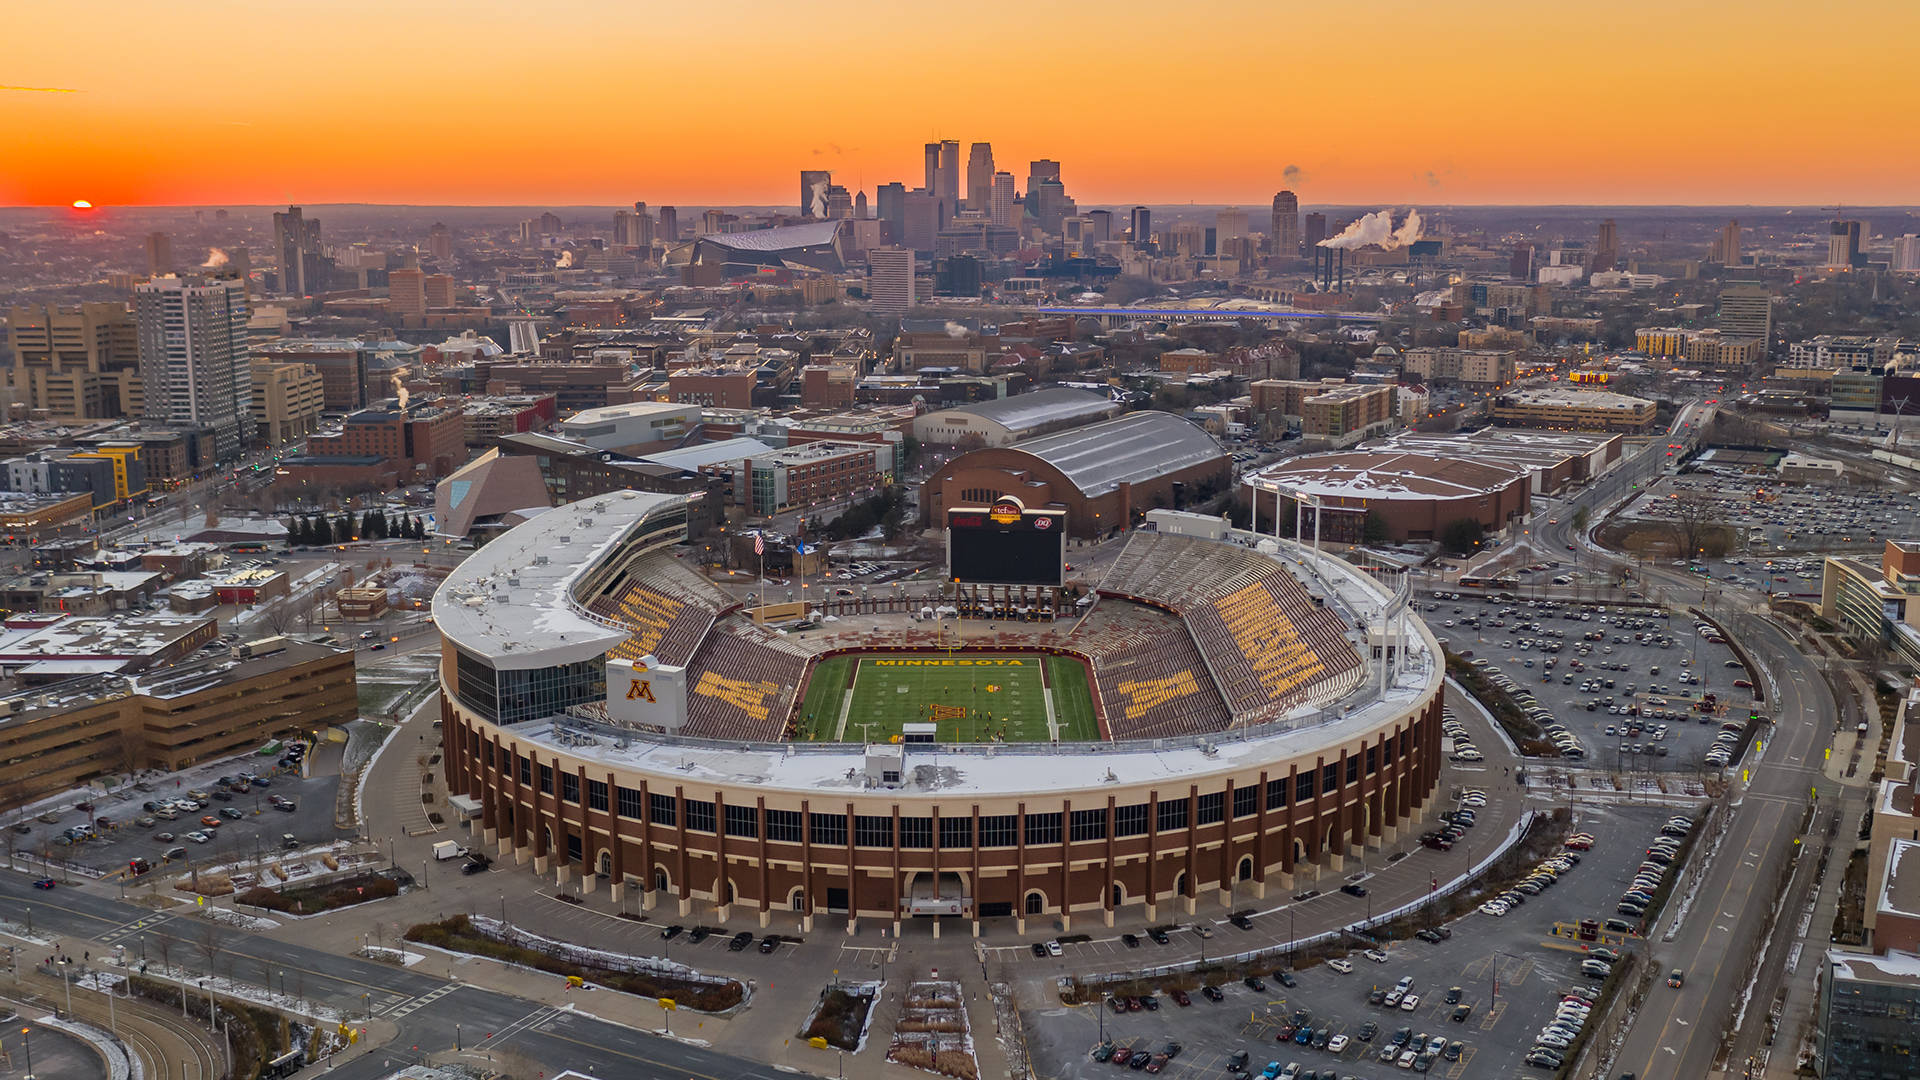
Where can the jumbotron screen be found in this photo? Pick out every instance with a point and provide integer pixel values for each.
(1006, 544)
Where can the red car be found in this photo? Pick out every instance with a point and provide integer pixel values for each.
(45, 883)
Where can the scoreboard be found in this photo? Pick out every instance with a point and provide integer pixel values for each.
(1006, 544)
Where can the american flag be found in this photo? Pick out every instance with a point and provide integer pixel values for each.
(759, 545)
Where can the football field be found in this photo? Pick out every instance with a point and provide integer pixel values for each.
(969, 698)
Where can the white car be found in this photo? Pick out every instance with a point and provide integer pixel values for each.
(1337, 1044)
(1375, 955)
(199, 837)
(1344, 967)
(1410, 1003)
(1053, 948)
(1494, 908)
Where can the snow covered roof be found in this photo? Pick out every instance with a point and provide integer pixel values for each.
(1137, 447)
(1900, 889)
(1038, 408)
(1381, 475)
(1893, 966)
(511, 602)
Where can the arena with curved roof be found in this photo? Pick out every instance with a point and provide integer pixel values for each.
(1415, 495)
(1259, 713)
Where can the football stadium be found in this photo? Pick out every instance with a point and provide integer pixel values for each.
(1204, 719)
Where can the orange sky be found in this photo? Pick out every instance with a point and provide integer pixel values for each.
(608, 101)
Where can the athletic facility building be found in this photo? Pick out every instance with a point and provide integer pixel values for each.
(1213, 719)
(1414, 496)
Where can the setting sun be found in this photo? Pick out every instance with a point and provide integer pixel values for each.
(82, 204)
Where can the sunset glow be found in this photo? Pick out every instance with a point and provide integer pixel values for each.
(592, 101)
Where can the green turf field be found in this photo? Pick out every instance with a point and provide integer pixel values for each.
(973, 698)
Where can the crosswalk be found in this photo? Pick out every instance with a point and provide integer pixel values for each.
(407, 1006)
(140, 925)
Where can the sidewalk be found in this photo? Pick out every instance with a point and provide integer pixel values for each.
(155, 1035)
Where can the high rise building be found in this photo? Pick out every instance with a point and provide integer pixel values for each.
(933, 167)
(1313, 230)
(296, 243)
(839, 203)
(925, 216)
(813, 192)
(860, 206)
(1906, 254)
(1140, 226)
(1001, 208)
(890, 206)
(1606, 251)
(633, 229)
(980, 177)
(890, 279)
(159, 254)
(1101, 222)
(440, 242)
(1286, 225)
(194, 366)
(1726, 246)
(407, 293)
(669, 230)
(1746, 310)
(948, 186)
(1843, 243)
(1228, 225)
(440, 292)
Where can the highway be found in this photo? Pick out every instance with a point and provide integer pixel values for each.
(1676, 1032)
(425, 1007)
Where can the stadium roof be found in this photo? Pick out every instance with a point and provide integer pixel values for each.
(785, 238)
(1040, 408)
(511, 601)
(1386, 475)
(1138, 447)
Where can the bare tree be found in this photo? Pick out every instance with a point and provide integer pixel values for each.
(212, 945)
(132, 748)
(1695, 526)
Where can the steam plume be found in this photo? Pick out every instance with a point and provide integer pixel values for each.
(566, 260)
(215, 260)
(1377, 229)
(400, 392)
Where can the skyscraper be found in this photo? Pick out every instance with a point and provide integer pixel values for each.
(1843, 242)
(1001, 209)
(1286, 225)
(296, 243)
(890, 279)
(669, 230)
(1313, 231)
(194, 368)
(813, 192)
(980, 177)
(948, 187)
(1038, 172)
(440, 242)
(1101, 222)
(933, 167)
(890, 206)
(633, 229)
(1606, 252)
(159, 254)
(1726, 246)
(1906, 254)
(1228, 224)
(1140, 222)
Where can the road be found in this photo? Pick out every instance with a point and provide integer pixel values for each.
(425, 1007)
(1676, 1032)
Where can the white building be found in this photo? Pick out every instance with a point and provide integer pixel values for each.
(195, 368)
(1906, 254)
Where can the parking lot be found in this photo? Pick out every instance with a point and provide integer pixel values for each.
(1511, 972)
(1625, 680)
(1768, 512)
(257, 831)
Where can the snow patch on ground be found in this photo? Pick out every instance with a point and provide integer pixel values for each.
(121, 1065)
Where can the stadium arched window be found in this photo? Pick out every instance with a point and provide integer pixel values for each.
(661, 883)
(1246, 868)
(1036, 903)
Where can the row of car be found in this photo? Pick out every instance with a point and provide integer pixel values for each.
(1463, 748)
(1720, 754)
(1457, 821)
(736, 943)
(1564, 740)
(1541, 878)
(1138, 1058)
(1653, 870)
(1557, 1035)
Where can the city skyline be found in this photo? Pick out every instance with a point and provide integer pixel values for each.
(1395, 105)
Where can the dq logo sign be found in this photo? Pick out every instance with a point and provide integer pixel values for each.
(641, 690)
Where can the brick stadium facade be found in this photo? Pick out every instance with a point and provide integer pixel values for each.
(1330, 753)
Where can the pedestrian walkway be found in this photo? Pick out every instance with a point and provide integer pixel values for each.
(157, 1036)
